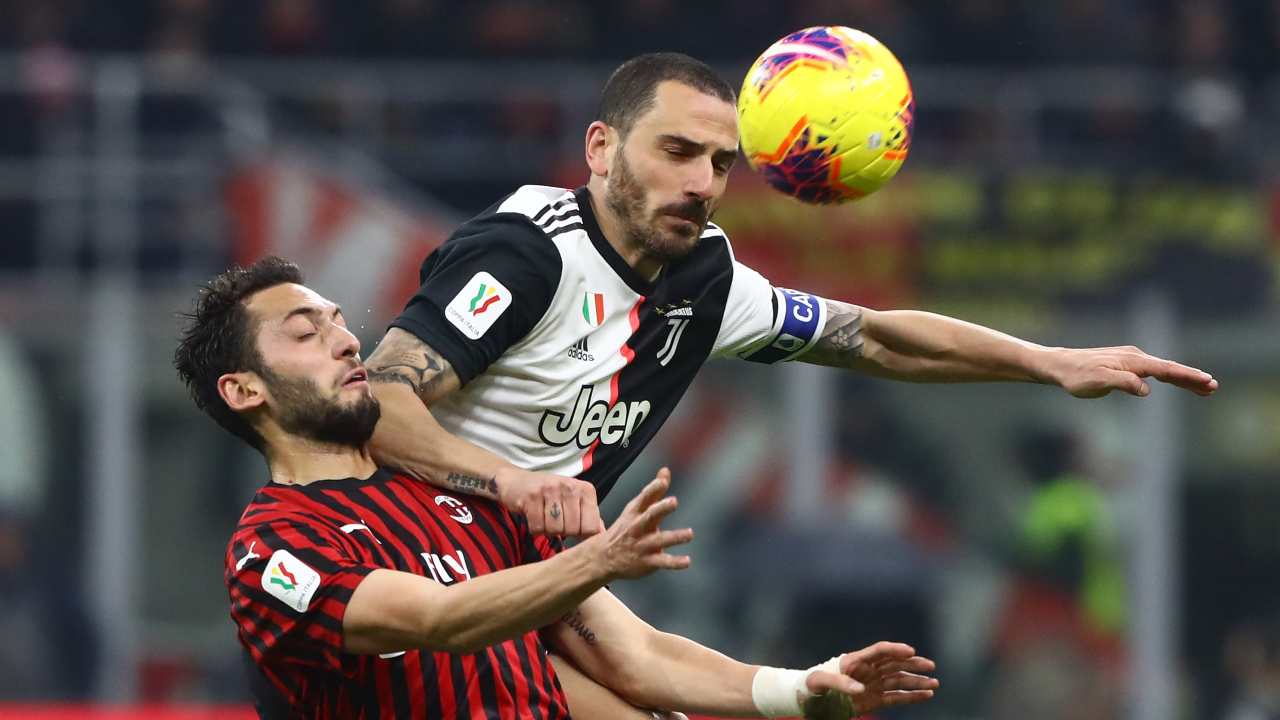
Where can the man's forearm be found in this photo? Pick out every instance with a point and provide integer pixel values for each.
(650, 668)
(392, 611)
(680, 674)
(408, 438)
(925, 347)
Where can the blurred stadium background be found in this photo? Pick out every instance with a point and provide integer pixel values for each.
(1083, 172)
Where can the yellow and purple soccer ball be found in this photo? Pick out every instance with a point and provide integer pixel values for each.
(825, 115)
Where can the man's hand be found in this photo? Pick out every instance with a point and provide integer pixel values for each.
(553, 505)
(634, 546)
(1095, 372)
(875, 677)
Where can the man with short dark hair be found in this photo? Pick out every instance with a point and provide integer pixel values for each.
(361, 593)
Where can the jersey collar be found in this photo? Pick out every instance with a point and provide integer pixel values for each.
(380, 475)
(633, 279)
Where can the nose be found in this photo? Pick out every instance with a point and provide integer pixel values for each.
(700, 183)
(345, 344)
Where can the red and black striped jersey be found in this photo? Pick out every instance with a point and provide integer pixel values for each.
(297, 556)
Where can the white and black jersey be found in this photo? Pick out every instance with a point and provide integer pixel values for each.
(569, 360)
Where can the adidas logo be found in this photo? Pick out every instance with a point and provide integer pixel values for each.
(579, 351)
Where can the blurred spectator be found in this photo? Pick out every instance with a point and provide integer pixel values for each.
(524, 28)
(1068, 532)
(1251, 656)
(27, 655)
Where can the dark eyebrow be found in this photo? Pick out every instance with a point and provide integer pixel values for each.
(725, 156)
(310, 311)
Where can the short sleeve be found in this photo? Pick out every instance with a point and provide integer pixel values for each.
(290, 583)
(482, 291)
(765, 324)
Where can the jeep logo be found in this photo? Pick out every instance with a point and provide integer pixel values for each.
(589, 421)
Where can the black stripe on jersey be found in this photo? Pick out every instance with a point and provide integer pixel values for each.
(531, 685)
(341, 504)
(498, 659)
(500, 530)
(319, 617)
(399, 687)
(452, 534)
(565, 229)
(253, 635)
(487, 681)
(403, 538)
(370, 701)
(318, 540)
(553, 208)
(701, 281)
(461, 700)
(542, 666)
(570, 215)
(430, 683)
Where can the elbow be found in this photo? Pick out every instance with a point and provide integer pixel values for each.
(637, 681)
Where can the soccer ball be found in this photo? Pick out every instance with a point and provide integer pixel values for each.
(825, 115)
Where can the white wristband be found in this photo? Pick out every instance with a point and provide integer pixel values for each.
(776, 691)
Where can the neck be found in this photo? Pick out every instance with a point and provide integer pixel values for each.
(645, 265)
(296, 461)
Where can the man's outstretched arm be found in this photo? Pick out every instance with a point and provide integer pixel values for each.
(407, 376)
(653, 669)
(927, 347)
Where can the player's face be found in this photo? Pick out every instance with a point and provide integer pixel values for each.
(317, 386)
(670, 172)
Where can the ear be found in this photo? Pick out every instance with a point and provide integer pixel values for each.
(242, 391)
(601, 141)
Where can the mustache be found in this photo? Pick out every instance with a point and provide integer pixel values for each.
(692, 210)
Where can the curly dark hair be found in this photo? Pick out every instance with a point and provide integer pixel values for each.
(218, 338)
(632, 88)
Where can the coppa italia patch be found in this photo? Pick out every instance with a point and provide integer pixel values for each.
(290, 580)
(478, 305)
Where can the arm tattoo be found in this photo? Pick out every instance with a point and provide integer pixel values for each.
(471, 483)
(841, 340)
(574, 621)
(407, 360)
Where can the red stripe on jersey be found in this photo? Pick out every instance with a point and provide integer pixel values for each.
(470, 541)
(517, 675)
(628, 354)
(473, 688)
(444, 678)
(501, 691)
(413, 674)
(540, 667)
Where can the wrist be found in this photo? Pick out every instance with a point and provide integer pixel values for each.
(506, 479)
(1043, 364)
(778, 692)
(593, 560)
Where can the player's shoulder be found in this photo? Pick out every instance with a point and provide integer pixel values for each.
(520, 227)
(538, 203)
(531, 212)
(275, 511)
